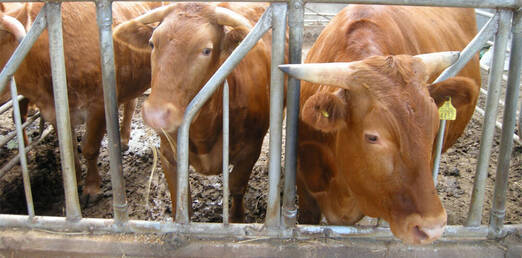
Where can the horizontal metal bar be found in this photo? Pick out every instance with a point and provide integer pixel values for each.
(23, 48)
(6, 106)
(15, 160)
(487, 68)
(12, 134)
(89, 225)
(449, 3)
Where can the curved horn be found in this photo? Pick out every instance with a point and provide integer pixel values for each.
(155, 15)
(438, 61)
(334, 74)
(227, 17)
(13, 26)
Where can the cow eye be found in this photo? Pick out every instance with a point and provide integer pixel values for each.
(371, 138)
(151, 44)
(206, 51)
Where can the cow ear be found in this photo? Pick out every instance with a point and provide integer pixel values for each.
(135, 35)
(463, 91)
(326, 111)
(233, 36)
(2, 8)
(315, 166)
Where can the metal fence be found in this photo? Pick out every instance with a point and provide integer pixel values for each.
(280, 219)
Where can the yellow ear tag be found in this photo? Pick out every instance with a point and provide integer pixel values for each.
(325, 113)
(447, 111)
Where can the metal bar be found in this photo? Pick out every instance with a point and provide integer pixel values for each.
(21, 151)
(494, 80)
(104, 19)
(63, 123)
(40, 23)
(226, 138)
(262, 26)
(484, 13)
(12, 134)
(487, 31)
(498, 125)
(16, 159)
(273, 210)
(296, 31)
(9, 104)
(498, 210)
(89, 225)
(449, 3)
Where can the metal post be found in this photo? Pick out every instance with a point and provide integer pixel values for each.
(21, 149)
(119, 201)
(296, 28)
(226, 172)
(494, 80)
(273, 210)
(63, 123)
(40, 23)
(262, 26)
(498, 210)
(467, 54)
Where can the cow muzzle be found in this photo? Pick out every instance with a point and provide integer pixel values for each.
(162, 116)
(421, 230)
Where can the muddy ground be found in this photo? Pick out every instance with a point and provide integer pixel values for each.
(454, 187)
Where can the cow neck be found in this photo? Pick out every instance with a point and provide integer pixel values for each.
(206, 128)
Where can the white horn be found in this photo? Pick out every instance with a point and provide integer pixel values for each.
(156, 15)
(227, 17)
(13, 26)
(438, 61)
(334, 74)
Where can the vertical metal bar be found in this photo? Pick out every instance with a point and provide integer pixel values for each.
(296, 30)
(467, 53)
(39, 25)
(119, 201)
(226, 130)
(21, 149)
(63, 123)
(438, 151)
(276, 113)
(498, 210)
(182, 204)
(494, 80)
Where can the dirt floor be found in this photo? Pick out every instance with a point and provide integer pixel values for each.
(454, 187)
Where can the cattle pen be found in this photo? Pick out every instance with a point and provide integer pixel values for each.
(280, 235)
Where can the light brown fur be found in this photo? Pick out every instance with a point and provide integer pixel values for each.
(386, 97)
(82, 60)
(179, 71)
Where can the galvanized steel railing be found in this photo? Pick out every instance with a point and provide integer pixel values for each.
(280, 220)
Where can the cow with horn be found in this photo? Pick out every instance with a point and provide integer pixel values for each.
(369, 119)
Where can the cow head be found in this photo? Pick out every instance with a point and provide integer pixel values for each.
(187, 47)
(385, 122)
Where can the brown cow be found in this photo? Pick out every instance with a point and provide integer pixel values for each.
(367, 127)
(82, 59)
(190, 43)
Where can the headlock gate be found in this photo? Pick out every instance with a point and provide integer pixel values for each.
(280, 219)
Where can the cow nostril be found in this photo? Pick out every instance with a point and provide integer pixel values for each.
(420, 234)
